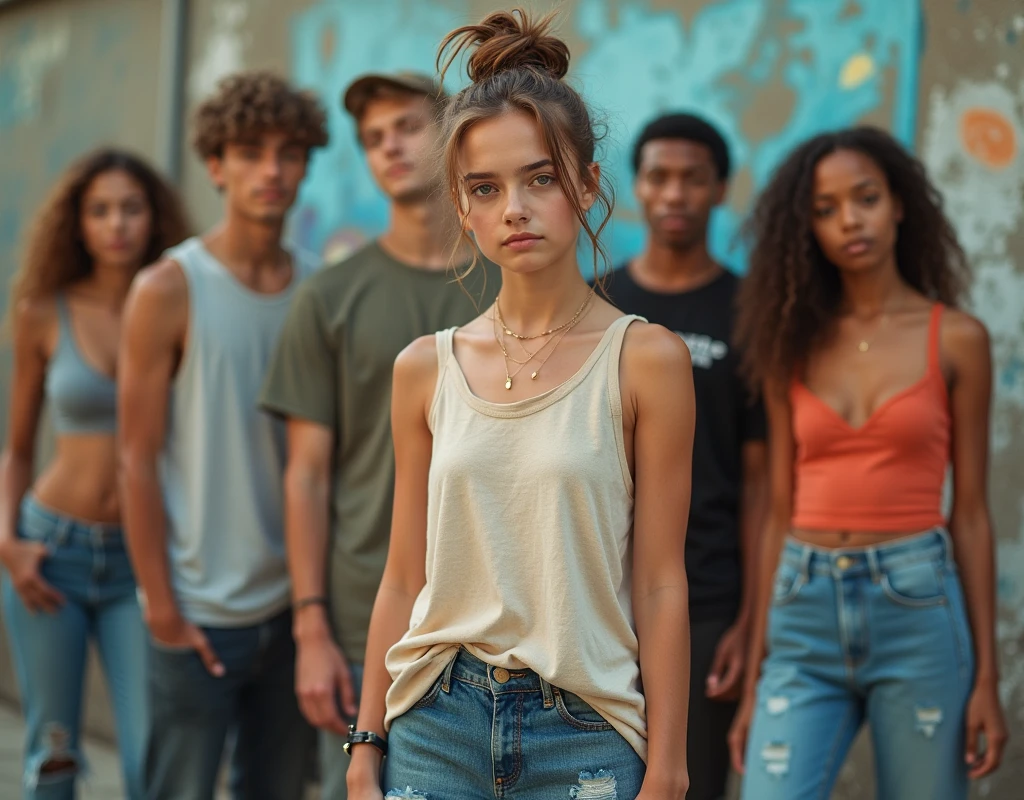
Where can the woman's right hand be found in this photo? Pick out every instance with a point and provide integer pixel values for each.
(740, 730)
(363, 776)
(23, 559)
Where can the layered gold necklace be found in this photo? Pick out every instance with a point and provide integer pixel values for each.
(556, 335)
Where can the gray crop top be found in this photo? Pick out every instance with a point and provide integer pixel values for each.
(83, 399)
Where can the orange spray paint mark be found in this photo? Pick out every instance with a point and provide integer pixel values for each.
(989, 137)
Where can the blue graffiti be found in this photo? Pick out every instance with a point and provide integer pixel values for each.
(840, 63)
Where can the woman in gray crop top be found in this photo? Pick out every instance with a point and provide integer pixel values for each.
(66, 575)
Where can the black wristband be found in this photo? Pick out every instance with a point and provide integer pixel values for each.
(317, 600)
(364, 737)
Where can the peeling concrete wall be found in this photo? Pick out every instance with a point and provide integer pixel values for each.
(972, 139)
(947, 76)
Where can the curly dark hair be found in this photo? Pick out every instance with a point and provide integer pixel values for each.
(247, 104)
(55, 255)
(792, 291)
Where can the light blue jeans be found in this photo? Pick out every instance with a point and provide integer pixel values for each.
(877, 634)
(88, 564)
(482, 733)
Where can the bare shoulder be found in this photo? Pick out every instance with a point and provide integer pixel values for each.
(35, 316)
(416, 366)
(163, 282)
(158, 299)
(963, 334)
(650, 348)
(34, 324)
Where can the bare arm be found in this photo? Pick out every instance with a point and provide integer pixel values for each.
(415, 376)
(152, 340)
(21, 559)
(966, 345)
(322, 672)
(777, 524)
(725, 677)
(658, 378)
(753, 513)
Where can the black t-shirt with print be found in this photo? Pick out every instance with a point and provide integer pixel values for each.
(726, 420)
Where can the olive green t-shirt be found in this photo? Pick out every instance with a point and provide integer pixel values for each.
(345, 327)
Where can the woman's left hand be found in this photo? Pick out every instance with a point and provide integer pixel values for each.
(672, 790)
(985, 717)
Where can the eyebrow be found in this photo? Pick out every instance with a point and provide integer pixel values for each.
(478, 176)
(864, 184)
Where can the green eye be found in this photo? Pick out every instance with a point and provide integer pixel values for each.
(544, 180)
(483, 190)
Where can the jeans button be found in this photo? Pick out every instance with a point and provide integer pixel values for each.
(501, 675)
(843, 562)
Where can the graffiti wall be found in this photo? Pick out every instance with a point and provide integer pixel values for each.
(768, 74)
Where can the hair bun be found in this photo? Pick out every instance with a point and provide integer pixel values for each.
(508, 40)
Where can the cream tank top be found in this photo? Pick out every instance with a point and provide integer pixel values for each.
(529, 541)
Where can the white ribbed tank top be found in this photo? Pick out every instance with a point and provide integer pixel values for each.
(529, 540)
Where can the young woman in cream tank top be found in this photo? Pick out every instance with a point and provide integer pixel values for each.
(542, 485)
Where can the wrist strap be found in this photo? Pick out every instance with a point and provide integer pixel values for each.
(316, 600)
(364, 737)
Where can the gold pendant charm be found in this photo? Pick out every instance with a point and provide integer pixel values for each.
(533, 377)
(508, 383)
(863, 347)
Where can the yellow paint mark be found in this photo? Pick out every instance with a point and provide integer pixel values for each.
(856, 70)
(989, 137)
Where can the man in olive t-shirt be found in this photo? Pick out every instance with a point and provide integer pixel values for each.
(331, 379)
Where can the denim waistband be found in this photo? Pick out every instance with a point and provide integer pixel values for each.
(469, 669)
(932, 546)
(43, 524)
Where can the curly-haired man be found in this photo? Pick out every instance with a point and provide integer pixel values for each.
(202, 465)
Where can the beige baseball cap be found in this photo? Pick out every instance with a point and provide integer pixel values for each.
(363, 88)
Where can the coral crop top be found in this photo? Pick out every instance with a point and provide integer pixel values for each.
(886, 475)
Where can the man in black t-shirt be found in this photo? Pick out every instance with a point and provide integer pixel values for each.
(682, 165)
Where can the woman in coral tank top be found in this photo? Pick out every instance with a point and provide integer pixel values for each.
(875, 606)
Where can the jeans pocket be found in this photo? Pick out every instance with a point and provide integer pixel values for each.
(431, 696)
(916, 585)
(578, 713)
(787, 585)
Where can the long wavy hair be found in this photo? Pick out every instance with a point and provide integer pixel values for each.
(55, 255)
(792, 292)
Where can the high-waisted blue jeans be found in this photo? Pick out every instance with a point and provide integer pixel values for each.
(877, 634)
(482, 733)
(89, 565)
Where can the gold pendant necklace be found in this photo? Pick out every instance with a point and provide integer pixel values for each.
(563, 326)
(562, 330)
(865, 344)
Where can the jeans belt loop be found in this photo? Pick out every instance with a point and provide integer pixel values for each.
(63, 532)
(446, 680)
(547, 693)
(874, 565)
(805, 562)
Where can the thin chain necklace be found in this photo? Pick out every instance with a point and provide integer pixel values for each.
(865, 344)
(556, 340)
(563, 326)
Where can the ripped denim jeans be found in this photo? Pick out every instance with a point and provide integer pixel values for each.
(483, 732)
(876, 634)
(89, 565)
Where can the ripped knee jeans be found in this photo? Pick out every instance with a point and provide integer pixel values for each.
(872, 634)
(89, 566)
(483, 732)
